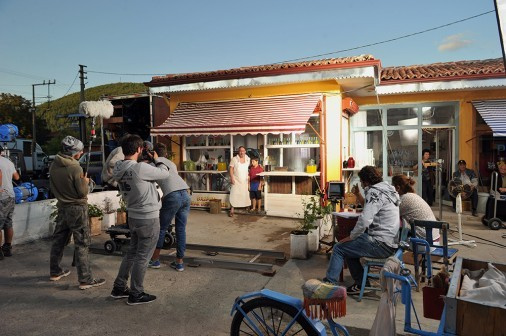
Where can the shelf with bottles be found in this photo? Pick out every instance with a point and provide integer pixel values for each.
(292, 141)
(208, 141)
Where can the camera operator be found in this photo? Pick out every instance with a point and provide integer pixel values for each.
(7, 174)
(137, 186)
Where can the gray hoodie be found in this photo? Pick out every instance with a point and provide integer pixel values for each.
(136, 181)
(380, 216)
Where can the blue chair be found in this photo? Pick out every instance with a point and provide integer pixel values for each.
(371, 264)
(432, 251)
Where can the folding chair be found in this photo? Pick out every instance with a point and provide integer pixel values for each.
(433, 251)
(377, 263)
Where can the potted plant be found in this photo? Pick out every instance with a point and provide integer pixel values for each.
(303, 239)
(109, 214)
(121, 212)
(95, 215)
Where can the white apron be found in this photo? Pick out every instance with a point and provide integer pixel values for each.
(239, 194)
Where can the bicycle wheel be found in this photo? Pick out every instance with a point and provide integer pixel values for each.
(271, 318)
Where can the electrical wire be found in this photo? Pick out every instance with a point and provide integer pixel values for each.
(389, 40)
(122, 74)
(71, 85)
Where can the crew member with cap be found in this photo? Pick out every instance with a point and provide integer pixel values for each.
(71, 186)
(468, 177)
(7, 173)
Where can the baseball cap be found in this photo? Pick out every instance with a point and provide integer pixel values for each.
(462, 162)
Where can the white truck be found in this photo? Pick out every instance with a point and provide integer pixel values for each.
(25, 147)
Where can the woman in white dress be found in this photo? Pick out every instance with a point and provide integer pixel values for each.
(239, 194)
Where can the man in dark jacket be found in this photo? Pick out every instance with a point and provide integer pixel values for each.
(468, 177)
(70, 187)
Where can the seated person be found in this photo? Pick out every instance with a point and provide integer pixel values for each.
(468, 177)
(500, 191)
(380, 217)
(412, 205)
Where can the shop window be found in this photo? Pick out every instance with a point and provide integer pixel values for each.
(367, 118)
(368, 148)
(437, 115)
(402, 116)
(402, 153)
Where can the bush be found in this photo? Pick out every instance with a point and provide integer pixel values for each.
(95, 211)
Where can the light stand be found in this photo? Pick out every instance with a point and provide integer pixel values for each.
(458, 210)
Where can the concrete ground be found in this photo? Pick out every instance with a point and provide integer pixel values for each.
(194, 302)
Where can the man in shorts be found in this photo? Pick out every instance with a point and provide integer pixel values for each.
(7, 174)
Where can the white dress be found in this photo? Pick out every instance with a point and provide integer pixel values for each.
(239, 194)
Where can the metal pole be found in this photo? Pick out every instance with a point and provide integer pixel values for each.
(34, 136)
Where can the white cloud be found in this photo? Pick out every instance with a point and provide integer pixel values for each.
(454, 42)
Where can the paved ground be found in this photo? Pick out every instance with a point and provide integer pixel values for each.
(194, 302)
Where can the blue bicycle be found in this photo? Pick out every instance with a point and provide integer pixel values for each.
(267, 312)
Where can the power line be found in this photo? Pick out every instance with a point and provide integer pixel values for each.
(123, 74)
(71, 85)
(389, 40)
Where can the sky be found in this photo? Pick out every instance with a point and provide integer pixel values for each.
(135, 40)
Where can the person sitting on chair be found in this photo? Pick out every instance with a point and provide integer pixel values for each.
(380, 218)
(501, 182)
(412, 205)
(469, 178)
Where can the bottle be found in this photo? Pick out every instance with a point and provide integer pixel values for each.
(351, 162)
(345, 164)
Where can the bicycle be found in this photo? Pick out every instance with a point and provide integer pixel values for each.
(267, 312)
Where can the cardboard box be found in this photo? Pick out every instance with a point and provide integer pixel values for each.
(470, 318)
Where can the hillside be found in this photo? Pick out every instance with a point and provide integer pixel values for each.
(52, 112)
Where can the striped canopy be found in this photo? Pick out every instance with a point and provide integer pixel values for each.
(494, 114)
(282, 114)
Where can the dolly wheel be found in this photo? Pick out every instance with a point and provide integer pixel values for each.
(494, 223)
(169, 240)
(110, 246)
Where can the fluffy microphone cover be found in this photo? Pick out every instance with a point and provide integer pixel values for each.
(101, 108)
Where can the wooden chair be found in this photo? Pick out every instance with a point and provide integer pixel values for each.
(432, 252)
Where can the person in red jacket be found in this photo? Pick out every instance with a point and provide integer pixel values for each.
(256, 184)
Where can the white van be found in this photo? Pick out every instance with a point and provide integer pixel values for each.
(25, 146)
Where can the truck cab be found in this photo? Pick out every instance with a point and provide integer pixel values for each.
(25, 146)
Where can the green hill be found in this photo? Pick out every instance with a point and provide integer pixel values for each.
(55, 111)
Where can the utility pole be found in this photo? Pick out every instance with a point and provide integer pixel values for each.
(34, 133)
(82, 119)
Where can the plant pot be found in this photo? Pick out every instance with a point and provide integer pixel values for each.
(108, 220)
(298, 244)
(121, 218)
(95, 226)
(313, 240)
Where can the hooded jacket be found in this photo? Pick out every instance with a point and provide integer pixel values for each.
(136, 181)
(114, 156)
(66, 182)
(380, 216)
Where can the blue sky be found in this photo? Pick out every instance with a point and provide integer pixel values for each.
(46, 40)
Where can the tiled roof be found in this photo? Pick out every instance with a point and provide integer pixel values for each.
(444, 71)
(264, 70)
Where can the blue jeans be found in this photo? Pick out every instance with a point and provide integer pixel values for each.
(352, 251)
(176, 204)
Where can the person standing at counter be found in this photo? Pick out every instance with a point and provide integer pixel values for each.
(239, 193)
(255, 185)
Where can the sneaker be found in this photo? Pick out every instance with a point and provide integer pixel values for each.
(57, 277)
(143, 298)
(118, 293)
(329, 282)
(154, 264)
(1, 254)
(473, 213)
(177, 267)
(7, 251)
(92, 283)
(355, 289)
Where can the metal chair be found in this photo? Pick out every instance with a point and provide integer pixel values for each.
(433, 251)
(378, 263)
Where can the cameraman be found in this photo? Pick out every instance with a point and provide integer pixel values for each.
(137, 186)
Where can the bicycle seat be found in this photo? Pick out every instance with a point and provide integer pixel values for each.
(330, 298)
